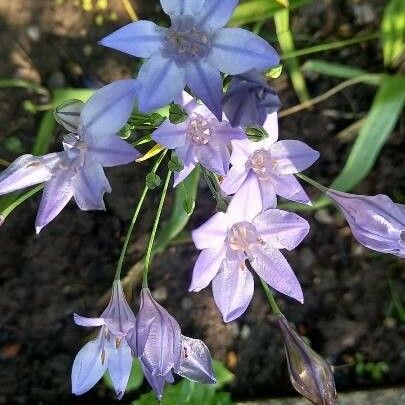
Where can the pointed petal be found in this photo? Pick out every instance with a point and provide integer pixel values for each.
(170, 135)
(233, 288)
(140, 38)
(227, 134)
(183, 174)
(247, 202)
(241, 151)
(271, 127)
(109, 108)
(281, 229)
(162, 81)
(215, 14)
(269, 198)
(188, 102)
(181, 7)
(89, 186)
(157, 382)
(87, 322)
(111, 150)
(211, 233)
(274, 269)
(68, 115)
(206, 83)
(206, 267)
(235, 51)
(234, 180)
(119, 366)
(196, 364)
(292, 156)
(57, 193)
(214, 156)
(88, 367)
(288, 186)
(27, 170)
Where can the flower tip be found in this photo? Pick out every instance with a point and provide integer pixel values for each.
(38, 229)
(2, 219)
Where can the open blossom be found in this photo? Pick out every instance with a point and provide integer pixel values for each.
(200, 139)
(110, 351)
(163, 350)
(192, 51)
(92, 144)
(376, 221)
(249, 100)
(245, 238)
(272, 164)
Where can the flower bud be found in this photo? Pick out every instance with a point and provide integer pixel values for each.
(310, 374)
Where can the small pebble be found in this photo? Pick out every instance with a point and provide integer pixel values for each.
(33, 32)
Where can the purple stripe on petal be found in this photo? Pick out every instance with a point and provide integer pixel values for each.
(182, 7)
(215, 14)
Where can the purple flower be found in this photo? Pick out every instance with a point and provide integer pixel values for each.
(110, 351)
(162, 349)
(249, 100)
(200, 139)
(376, 221)
(242, 239)
(272, 164)
(92, 144)
(192, 52)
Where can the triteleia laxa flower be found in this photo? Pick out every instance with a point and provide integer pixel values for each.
(110, 351)
(192, 51)
(249, 100)
(245, 238)
(201, 138)
(163, 350)
(310, 374)
(92, 144)
(272, 164)
(376, 221)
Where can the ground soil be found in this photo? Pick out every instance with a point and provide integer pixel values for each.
(348, 302)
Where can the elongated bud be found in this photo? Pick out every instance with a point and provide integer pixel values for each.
(310, 374)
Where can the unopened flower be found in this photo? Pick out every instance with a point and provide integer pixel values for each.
(92, 144)
(310, 374)
(163, 350)
(273, 165)
(110, 351)
(192, 52)
(201, 138)
(249, 100)
(376, 221)
(244, 233)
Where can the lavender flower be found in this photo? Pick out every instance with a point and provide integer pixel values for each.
(272, 165)
(245, 238)
(192, 52)
(110, 350)
(249, 100)
(310, 374)
(376, 221)
(200, 139)
(162, 349)
(91, 144)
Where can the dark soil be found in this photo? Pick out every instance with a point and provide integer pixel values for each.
(43, 280)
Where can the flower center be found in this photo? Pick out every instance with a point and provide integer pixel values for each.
(199, 130)
(184, 41)
(260, 162)
(243, 236)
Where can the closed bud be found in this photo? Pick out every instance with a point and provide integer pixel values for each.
(310, 374)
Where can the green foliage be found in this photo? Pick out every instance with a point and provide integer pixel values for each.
(275, 72)
(135, 378)
(175, 164)
(13, 145)
(375, 370)
(153, 180)
(393, 31)
(176, 114)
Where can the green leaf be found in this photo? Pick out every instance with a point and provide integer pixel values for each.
(135, 378)
(259, 10)
(223, 375)
(153, 181)
(393, 31)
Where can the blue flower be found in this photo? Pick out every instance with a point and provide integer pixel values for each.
(192, 52)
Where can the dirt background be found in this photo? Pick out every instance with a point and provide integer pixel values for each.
(43, 280)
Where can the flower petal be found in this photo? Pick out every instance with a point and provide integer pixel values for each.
(157, 382)
(206, 83)
(206, 267)
(241, 151)
(109, 108)
(234, 180)
(87, 322)
(288, 186)
(181, 7)
(274, 269)
(292, 156)
(281, 229)
(183, 174)
(88, 367)
(271, 127)
(187, 101)
(162, 81)
(215, 14)
(140, 38)
(211, 233)
(235, 51)
(233, 289)
(170, 135)
(68, 115)
(268, 194)
(196, 364)
(214, 156)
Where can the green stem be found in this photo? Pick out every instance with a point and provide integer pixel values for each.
(270, 298)
(208, 180)
(133, 221)
(314, 183)
(154, 229)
